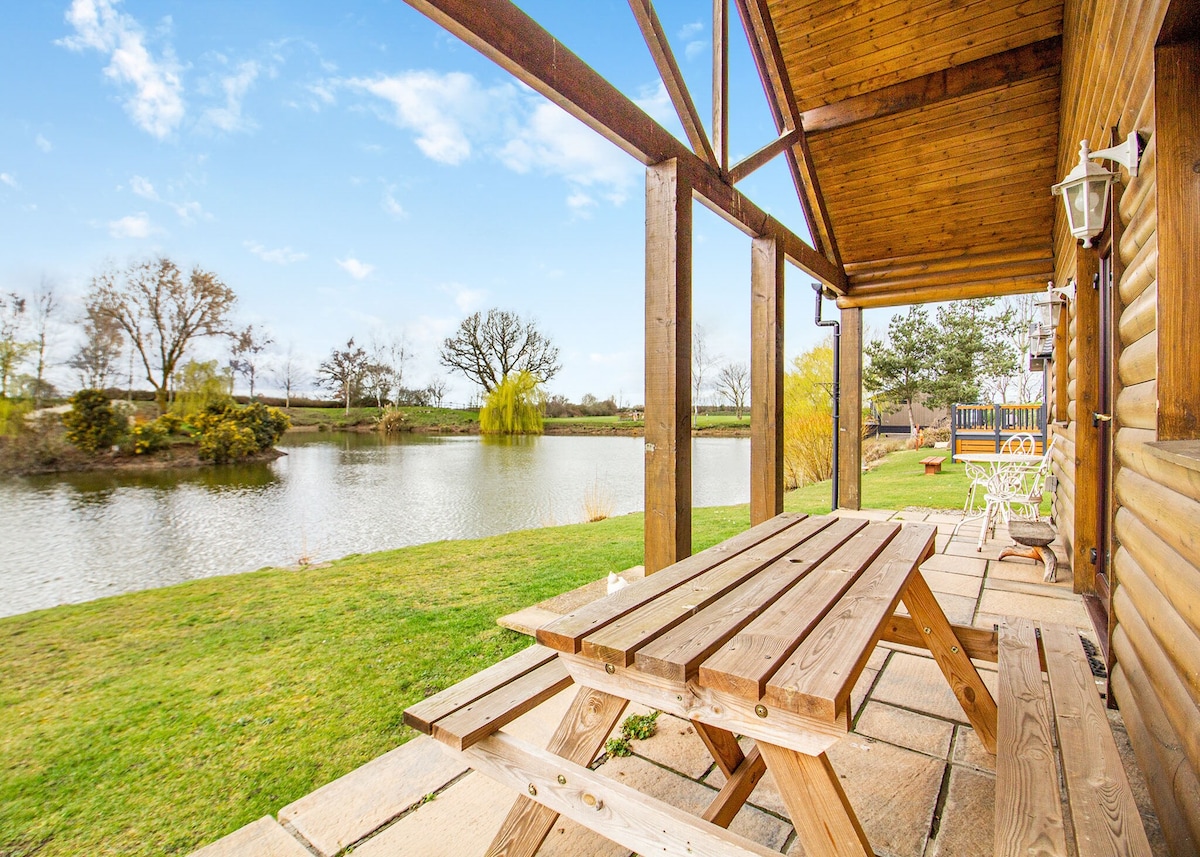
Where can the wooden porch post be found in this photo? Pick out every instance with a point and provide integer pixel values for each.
(1177, 112)
(668, 527)
(766, 379)
(1087, 402)
(850, 435)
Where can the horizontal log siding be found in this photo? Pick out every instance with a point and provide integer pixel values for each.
(1107, 80)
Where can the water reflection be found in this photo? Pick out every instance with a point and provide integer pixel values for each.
(81, 536)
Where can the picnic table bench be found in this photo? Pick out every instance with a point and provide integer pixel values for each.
(764, 636)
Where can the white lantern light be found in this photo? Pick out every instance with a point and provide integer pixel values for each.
(1085, 189)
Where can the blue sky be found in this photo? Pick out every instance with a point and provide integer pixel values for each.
(351, 169)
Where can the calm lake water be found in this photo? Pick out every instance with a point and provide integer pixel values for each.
(75, 537)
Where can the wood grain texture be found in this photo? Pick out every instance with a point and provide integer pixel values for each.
(617, 642)
(817, 678)
(737, 789)
(743, 666)
(825, 821)
(952, 659)
(567, 632)
(1029, 816)
(1087, 437)
(978, 643)
(1103, 813)
(1177, 127)
(668, 432)
(723, 746)
(580, 735)
(617, 812)
(766, 378)
(423, 714)
(679, 653)
(850, 428)
(505, 704)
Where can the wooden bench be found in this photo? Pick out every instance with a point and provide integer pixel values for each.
(477, 706)
(1029, 808)
(933, 464)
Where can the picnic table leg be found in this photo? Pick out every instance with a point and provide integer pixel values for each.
(737, 790)
(824, 820)
(969, 689)
(583, 730)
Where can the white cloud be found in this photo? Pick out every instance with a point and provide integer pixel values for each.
(391, 205)
(557, 143)
(132, 226)
(8, 179)
(580, 201)
(467, 300)
(656, 102)
(235, 86)
(694, 49)
(43, 144)
(357, 269)
(690, 34)
(189, 212)
(278, 256)
(156, 101)
(687, 31)
(444, 110)
(143, 188)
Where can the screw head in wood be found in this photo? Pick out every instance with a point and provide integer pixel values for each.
(610, 669)
(532, 790)
(954, 649)
(927, 631)
(562, 781)
(760, 710)
(592, 801)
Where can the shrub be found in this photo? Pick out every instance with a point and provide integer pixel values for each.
(393, 421)
(91, 423)
(222, 441)
(149, 437)
(231, 433)
(12, 414)
(808, 419)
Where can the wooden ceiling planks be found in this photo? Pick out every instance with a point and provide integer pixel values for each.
(933, 128)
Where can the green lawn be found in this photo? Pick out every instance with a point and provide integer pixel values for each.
(337, 418)
(158, 721)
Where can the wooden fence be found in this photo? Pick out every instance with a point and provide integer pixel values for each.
(984, 428)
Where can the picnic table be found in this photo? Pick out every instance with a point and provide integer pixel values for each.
(763, 636)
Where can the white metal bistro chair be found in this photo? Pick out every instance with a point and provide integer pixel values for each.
(1015, 486)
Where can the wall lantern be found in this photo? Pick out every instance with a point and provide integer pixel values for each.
(1085, 189)
(1048, 303)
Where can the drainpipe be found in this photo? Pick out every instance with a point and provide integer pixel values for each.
(837, 387)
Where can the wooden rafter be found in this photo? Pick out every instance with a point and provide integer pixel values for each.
(763, 156)
(513, 40)
(1022, 63)
(672, 78)
(720, 83)
(764, 46)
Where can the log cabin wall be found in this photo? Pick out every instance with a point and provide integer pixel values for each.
(1108, 80)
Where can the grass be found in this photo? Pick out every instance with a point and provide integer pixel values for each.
(337, 418)
(156, 722)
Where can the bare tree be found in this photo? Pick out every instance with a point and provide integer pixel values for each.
(437, 390)
(287, 376)
(12, 350)
(246, 353)
(45, 307)
(161, 312)
(702, 362)
(343, 371)
(486, 349)
(95, 361)
(733, 382)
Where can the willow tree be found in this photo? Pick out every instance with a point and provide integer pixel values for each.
(515, 406)
(808, 418)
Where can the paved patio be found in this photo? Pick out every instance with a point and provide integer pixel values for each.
(416, 800)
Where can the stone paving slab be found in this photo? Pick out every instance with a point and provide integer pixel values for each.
(967, 825)
(344, 811)
(262, 838)
(906, 729)
(970, 565)
(1063, 611)
(916, 683)
(949, 583)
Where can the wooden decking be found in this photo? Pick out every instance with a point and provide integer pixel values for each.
(904, 718)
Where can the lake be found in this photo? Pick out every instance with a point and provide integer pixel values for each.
(75, 537)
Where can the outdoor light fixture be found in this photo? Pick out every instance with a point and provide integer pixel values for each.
(1085, 189)
(1047, 303)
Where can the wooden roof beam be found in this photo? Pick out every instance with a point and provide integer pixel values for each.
(768, 57)
(720, 83)
(763, 156)
(1008, 67)
(672, 78)
(906, 294)
(515, 42)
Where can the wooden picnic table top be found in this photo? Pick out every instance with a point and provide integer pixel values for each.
(778, 621)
